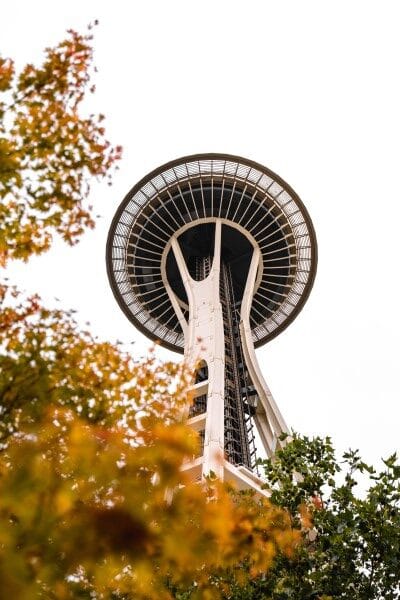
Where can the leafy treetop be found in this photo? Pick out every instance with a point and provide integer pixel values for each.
(93, 499)
(351, 548)
(48, 149)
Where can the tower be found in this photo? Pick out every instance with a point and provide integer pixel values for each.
(213, 255)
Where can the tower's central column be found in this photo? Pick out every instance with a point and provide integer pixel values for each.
(205, 349)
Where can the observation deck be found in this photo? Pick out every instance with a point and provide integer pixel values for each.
(184, 199)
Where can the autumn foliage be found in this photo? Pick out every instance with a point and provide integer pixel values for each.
(93, 500)
(49, 149)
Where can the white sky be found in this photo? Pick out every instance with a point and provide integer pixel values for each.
(311, 90)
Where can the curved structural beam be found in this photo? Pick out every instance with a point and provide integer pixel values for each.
(268, 418)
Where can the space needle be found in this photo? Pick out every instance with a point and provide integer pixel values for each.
(213, 255)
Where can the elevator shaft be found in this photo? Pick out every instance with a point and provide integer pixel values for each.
(239, 440)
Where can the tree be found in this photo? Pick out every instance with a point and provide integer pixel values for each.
(93, 500)
(49, 151)
(46, 360)
(351, 547)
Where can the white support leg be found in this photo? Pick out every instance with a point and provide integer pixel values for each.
(268, 418)
(204, 341)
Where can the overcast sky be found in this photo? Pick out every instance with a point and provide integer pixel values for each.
(311, 90)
